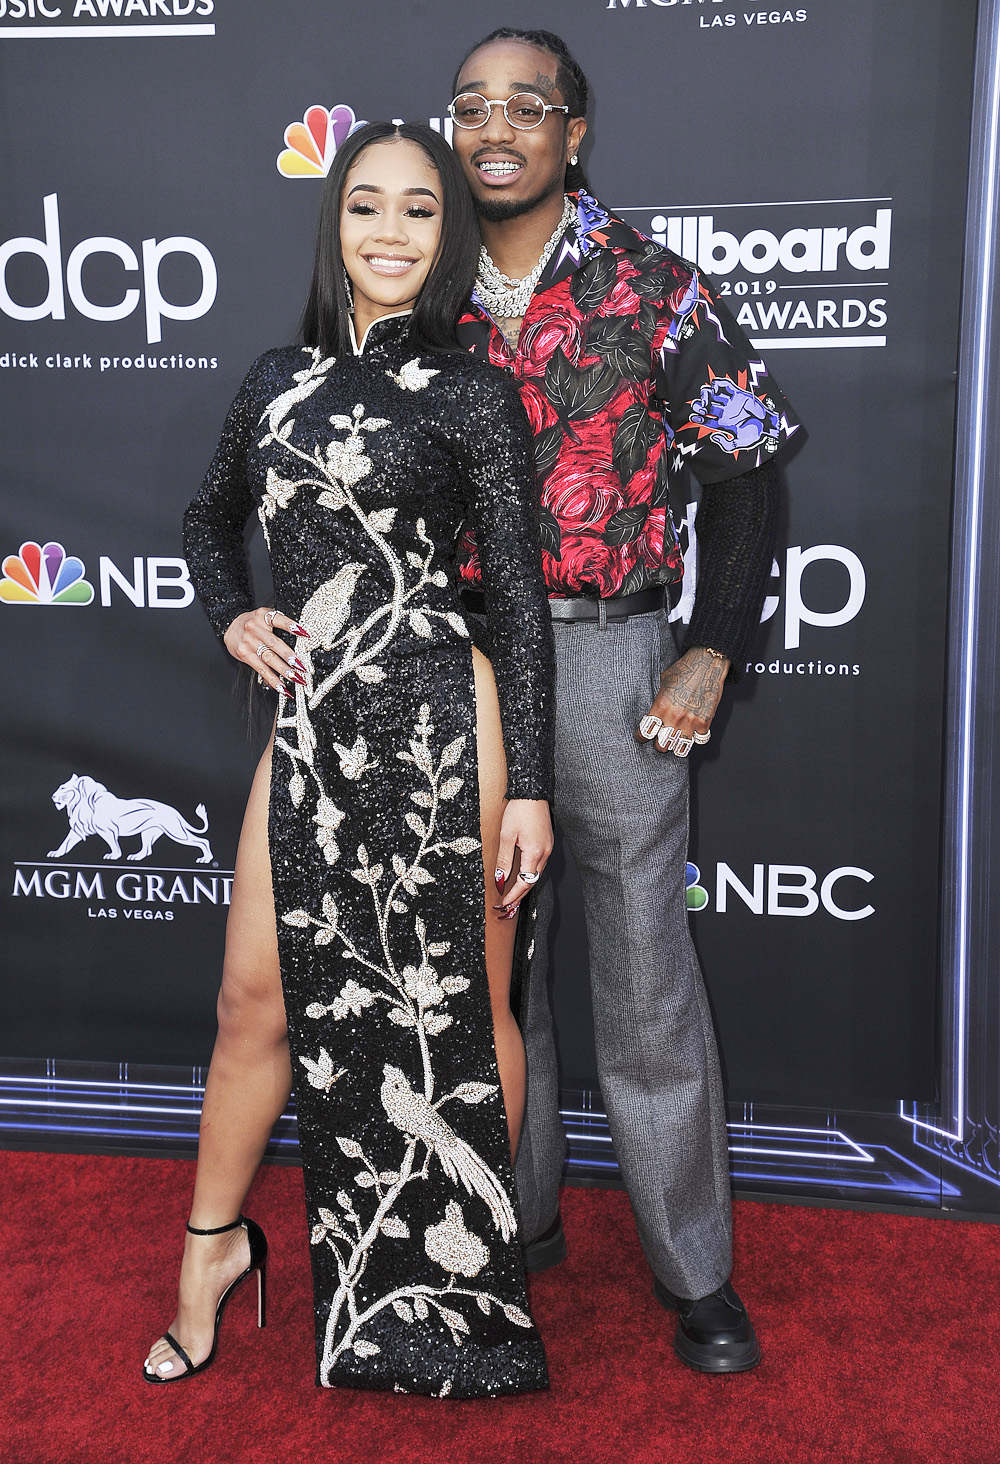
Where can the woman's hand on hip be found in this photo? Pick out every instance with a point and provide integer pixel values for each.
(251, 639)
(526, 828)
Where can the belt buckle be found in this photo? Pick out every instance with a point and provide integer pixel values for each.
(571, 603)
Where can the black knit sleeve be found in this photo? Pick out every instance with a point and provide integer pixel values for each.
(493, 445)
(214, 520)
(736, 525)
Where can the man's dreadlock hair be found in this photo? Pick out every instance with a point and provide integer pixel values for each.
(569, 78)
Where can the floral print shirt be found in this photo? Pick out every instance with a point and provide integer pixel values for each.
(629, 367)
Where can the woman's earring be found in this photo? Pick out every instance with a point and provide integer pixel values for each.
(348, 289)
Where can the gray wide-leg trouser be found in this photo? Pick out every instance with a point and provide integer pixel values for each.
(623, 809)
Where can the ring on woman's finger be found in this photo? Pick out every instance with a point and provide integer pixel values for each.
(260, 651)
(261, 682)
(682, 746)
(664, 735)
(529, 878)
(701, 738)
(269, 618)
(649, 726)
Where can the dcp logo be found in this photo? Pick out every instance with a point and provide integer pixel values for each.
(154, 252)
(798, 611)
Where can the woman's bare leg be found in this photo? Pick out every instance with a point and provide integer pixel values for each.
(247, 1088)
(500, 934)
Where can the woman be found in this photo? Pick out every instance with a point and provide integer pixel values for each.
(401, 780)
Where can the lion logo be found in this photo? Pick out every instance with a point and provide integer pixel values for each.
(91, 809)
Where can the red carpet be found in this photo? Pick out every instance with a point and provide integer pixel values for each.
(881, 1339)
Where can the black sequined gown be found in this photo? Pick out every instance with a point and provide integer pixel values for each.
(362, 471)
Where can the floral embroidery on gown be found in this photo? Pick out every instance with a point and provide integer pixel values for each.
(362, 472)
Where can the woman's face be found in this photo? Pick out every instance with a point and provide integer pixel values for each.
(390, 227)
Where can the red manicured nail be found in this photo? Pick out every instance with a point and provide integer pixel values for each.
(300, 679)
(298, 665)
(300, 630)
(500, 879)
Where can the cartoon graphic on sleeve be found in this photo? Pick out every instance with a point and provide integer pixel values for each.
(739, 419)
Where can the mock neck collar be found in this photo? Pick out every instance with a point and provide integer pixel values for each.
(380, 335)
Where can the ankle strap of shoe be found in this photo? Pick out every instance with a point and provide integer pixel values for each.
(218, 1230)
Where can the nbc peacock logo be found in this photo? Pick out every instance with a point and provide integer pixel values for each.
(311, 145)
(44, 575)
(697, 895)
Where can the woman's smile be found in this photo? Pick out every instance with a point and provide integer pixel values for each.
(389, 264)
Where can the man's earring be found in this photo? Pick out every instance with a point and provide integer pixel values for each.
(574, 160)
(348, 289)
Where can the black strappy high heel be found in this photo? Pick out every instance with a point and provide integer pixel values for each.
(258, 1263)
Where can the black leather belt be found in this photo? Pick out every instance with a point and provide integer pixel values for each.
(584, 607)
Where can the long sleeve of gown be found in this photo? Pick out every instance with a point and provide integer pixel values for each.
(494, 448)
(216, 517)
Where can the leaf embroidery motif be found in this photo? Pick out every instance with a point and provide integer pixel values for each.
(578, 392)
(625, 525)
(617, 340)
(661, 488)
(549, 532)
(591, 285)
(635, 436)
(546, 445)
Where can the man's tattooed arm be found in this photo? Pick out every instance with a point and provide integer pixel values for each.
(694, 683)
(690, 691)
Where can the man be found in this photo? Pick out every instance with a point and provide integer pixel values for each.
(629, 367)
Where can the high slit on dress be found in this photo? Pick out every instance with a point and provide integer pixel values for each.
(362, 472)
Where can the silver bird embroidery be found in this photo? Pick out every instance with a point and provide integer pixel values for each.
(308, 381)
(413, 1115)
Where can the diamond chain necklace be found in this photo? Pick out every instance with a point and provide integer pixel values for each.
(509, 298)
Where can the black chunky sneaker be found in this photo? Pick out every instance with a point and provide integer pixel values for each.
(714, 1333)
(547, 1249)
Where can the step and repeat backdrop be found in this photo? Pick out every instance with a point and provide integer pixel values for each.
(162, 167)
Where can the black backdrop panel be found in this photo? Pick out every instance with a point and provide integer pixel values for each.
(812, 158)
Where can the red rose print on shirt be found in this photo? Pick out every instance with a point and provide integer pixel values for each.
(581, 498)
(650, 541)
(546, 333)
(588, 567)
(536, 404)
(614, 348)
(622, 301)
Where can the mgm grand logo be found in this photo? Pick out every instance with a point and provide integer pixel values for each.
(95, 813)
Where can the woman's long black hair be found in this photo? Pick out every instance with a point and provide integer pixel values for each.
(446, 291)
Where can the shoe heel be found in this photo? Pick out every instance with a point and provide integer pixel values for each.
(262, 1294)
